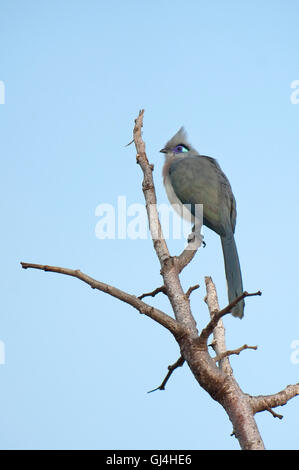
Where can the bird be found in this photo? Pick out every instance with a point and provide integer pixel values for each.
(191, 179)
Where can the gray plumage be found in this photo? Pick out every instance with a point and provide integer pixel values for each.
(191, 178)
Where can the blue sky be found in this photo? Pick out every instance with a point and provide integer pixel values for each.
(78, 363)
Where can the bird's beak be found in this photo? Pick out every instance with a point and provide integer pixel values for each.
(163, 151)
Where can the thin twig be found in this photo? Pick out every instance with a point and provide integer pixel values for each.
(273, 413)
(219, 314)
(230, 352)
(153, 293)
(191, 289)
(171, 368)
(230, 306)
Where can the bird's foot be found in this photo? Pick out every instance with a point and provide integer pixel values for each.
(195, 240)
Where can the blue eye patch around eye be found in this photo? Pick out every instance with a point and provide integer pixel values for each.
(180, 149)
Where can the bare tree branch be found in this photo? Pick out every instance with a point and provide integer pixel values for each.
(191, 289)
(218, 343)
(274, 414)
(184, 258)
(267, 402)
(220, 313)
(171, 368)
(230, 352)
(154, 313)
(169, 270)
(153, 293)
(149, 192)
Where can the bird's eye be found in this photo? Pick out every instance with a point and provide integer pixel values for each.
(180, 149)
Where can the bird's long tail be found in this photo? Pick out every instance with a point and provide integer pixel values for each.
(233, 273)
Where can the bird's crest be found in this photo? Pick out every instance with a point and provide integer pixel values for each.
(179, 138)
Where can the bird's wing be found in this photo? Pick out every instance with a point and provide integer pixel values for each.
(200, 180)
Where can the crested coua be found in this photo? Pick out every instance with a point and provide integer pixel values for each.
(191, 179)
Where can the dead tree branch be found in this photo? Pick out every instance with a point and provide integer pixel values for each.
(267, 402)
(191, 289)
(208, 330)
(169, 267)
(154, 313)
(230, 352)
(218, 343)
(153, 293)
(215, 375)
(171, 368)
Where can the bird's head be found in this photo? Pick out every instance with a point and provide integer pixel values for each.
(177, 145)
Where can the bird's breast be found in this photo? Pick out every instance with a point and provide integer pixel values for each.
(177, 205)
